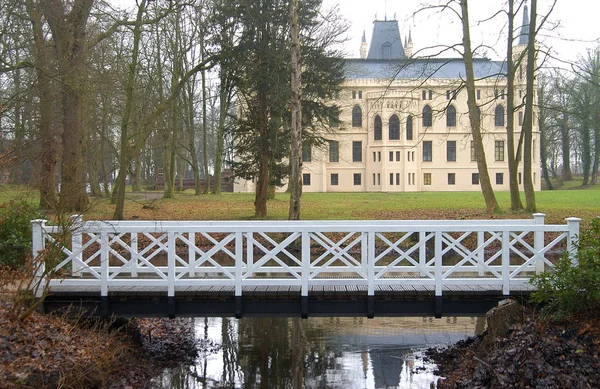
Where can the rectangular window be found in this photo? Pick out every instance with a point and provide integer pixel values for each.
(519, 178)
(475, 178)
(397, 178)
(409, 180)
(430, 94)
(499, 150)
(360, 94)
(502, 94)
(306, 152)
(451, 178)
(391, 178)
(427, 151)
(424, 95)
(499, 178)
(478, 94)
(353, 94)
(521, 118)
(391, 156)
(374, 156)
(533, 153)
(408, 155)
(378, 178)
(379, 156)
(397, 156)
(373, 179)
(473, 155)
(306, 179)
(451, 151)
(356, 178)
(357, 152)
(447, 95)
(426, 178)
(334, 178)
(334, 151)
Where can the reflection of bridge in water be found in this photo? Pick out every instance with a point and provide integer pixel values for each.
(298, 268)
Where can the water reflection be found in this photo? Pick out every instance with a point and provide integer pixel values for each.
(327, 353)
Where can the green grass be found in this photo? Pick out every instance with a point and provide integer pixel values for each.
(556, 204)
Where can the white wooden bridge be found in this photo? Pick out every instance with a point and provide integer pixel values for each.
(327, 268)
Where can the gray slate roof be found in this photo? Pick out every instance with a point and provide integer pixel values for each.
(435, 68)
(386, 42)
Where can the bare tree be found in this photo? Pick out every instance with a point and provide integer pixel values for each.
(296, 127)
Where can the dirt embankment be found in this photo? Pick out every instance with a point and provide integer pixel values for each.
(51, 351)
(535, 353)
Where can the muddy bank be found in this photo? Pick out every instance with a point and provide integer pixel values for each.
(52, 351)
(535, 353)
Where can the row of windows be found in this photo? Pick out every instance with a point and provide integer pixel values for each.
(334, 152)
(451, 151)
(427, 119)
(395, 177)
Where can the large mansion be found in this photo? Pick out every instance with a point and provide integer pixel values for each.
(404, 124)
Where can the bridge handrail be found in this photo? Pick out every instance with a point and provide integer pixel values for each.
(365, 252)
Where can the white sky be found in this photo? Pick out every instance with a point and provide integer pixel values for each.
(578, 29)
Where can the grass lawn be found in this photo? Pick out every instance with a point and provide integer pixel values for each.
(556, 204)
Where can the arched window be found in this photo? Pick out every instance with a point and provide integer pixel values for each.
(427, 116)
(451, 116)
(394, 125)
(356, 116)
(409, 128)
(377, 128)
(499, 116)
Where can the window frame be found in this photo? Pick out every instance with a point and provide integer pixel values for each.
(499, 151)
(409, 127)
(357, 154)
(334, 152)
(427, 114)
(427, 151)
(451, 116)
(394, 127)
(451, 151)
(305, 179)
(357, 179)
(377, 128)
(499, 116)
(357, 116)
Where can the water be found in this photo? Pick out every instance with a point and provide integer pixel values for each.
(332, 353)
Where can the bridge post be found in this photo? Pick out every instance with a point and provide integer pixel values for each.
(369, 254)
(192, 254)
(239, 251)
(573, 224)
(505, 263)
(422, 252)
(133, 261)
(481, 254)
(171, 246)
(538, 242)
(438, 274)
(104, 265)
(76, 245)
(38, 244)
(305, 274)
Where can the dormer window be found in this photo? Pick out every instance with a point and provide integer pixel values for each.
(386, 49)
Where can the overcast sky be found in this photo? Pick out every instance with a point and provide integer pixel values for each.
(578, 24)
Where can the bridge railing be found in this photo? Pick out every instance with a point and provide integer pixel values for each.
(189, 255)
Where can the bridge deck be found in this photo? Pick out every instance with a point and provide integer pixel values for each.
(337, 300)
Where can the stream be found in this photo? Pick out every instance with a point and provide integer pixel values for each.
(317, 352)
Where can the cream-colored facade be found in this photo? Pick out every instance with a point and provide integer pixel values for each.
(404, 125)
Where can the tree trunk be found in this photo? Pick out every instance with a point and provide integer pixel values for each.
(296, 130)
(50, 147)
(262, 184)
(69, 33)
(125, 157)
(491, 204)
(543, 136)
(528, 116)
(513, 163)
(566, 148)
(205, 131)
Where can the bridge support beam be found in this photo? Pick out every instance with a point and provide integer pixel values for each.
(370, 307)
(171, 307)
(304, 307)
(238, 307)
(438, 307)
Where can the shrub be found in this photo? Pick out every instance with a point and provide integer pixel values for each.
(15, 232)
(568, 288)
